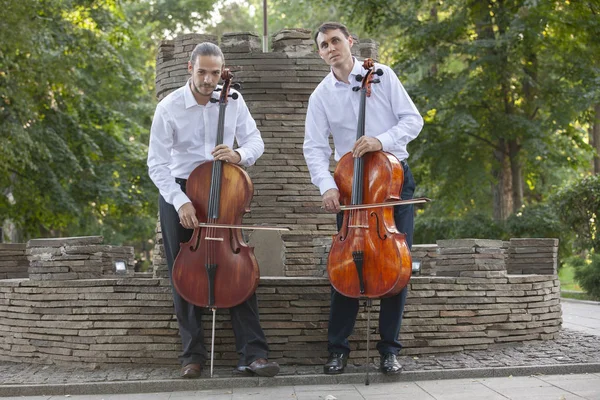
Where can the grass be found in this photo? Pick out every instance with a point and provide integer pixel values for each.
(569, 287)
(567, 278)
(578, 296)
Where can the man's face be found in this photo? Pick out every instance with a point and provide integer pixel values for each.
(334, 47)
(206, 73)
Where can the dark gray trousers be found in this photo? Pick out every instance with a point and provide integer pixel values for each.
(343, 311)
(250, 341)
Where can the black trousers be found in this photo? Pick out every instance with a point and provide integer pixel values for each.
(343, 311)
(250, 341)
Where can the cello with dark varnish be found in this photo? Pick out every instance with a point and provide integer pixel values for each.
(216, 268)
(369, 258)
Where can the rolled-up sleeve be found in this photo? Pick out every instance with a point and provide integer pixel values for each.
(317, 150)
(159, 157)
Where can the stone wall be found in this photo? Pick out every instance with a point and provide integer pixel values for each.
(63, 259)
(426, 255)
(130, 319)
(532, 256)
(13, 260)
(276, 87)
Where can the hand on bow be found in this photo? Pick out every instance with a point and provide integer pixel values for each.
(331, 201)
(187, 216)
(225, 153)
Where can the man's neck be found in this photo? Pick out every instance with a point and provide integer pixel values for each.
(342, 73)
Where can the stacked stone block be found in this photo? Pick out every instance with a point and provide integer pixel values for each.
(532, 256)
(131, 320)
(446, 314)
(76, 258)
(426, 255)
(85, 321)
(13, 261)
(474, 258)
(159, 259)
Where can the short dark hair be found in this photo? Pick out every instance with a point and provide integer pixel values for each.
(206, 49)
(329, 26)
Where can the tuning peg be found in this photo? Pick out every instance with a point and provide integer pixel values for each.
(356, 88)
(234, 96)
(359, 78)
(236, 86)
(379, 72)
(375, 81)
(213, 100)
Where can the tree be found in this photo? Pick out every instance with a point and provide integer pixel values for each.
(73, 108)
(502, 118)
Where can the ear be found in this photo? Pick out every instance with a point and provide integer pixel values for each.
(350, 40)
(190, 67)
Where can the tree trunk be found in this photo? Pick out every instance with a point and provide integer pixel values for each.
(594, 133)
(502, 185)
(516, 175)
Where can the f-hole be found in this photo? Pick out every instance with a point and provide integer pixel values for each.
(374, 214)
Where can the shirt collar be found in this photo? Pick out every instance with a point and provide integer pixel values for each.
(357, 69)
(188, 96)
(190, 100)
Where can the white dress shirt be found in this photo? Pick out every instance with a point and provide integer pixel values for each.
(333, 107)
(184, 133)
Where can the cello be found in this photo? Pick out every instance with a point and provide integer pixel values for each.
(369, 258)
(216, 268)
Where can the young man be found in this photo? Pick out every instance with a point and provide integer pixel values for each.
(183, 136)
(392, 121)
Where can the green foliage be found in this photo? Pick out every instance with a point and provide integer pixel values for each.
(281, 14)
(535, 221)
(500, 85)
(478, 226)
(578, 207)
(566, 274)
(587, 274)
(75, 112)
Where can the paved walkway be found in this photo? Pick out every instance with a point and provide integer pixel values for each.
(543, 387)
(583, 316)
(532, 370)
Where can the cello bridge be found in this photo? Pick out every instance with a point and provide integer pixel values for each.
(214, 239)
(359, 226)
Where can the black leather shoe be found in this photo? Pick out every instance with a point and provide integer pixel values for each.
(390, 364)
(263, 367)
(335, 363)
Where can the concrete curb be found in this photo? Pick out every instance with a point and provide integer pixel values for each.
(568, 300)
(172, 385)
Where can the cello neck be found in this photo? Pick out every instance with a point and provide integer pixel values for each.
(358, 174)
(217, 168)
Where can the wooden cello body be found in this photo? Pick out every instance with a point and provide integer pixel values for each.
(216, 268)
(369, 258)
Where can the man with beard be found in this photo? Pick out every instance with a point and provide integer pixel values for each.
(183, 136)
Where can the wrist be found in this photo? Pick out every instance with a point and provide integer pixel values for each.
(238, 155)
